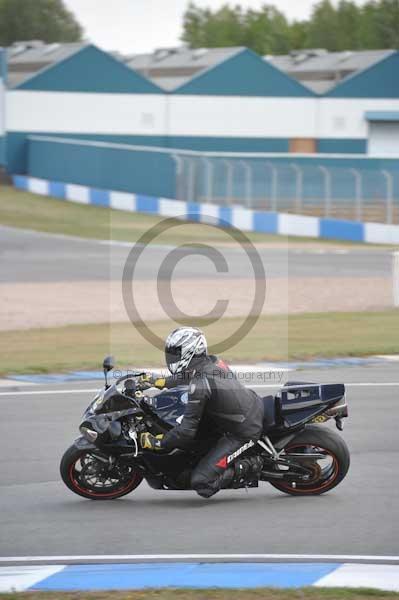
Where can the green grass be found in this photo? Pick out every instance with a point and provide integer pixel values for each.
(302, 336)
(30, 211)
(219, 594)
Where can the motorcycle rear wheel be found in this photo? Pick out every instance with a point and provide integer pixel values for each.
(84, 475)
(329, 473)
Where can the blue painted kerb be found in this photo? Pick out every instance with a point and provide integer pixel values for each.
(225, 216)
(184, 575)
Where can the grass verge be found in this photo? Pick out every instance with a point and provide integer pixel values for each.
(30, 211)
(219, 594)
(302, 337)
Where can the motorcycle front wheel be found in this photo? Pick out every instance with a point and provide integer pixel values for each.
(327, 472)
(91, 478)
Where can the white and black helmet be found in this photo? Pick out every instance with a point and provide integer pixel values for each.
(182, 345)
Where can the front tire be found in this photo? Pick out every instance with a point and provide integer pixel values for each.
(327, 476)
(86, 476)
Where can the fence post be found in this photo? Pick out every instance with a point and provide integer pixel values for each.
(248, 182)
(327, 190)
(299, 187)
(395, 278)
(389, 197)
(229, 180)
(179, 176)
(274, 173)
(209, 179)
(358, 193)
(191, 181)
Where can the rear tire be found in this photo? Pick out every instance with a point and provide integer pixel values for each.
(77, 483)
(335, 448)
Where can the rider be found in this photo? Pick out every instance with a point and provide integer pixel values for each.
(216, 400)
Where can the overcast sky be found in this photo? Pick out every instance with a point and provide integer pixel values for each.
(134, 26)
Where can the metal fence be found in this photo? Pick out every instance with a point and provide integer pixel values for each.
(344, 192)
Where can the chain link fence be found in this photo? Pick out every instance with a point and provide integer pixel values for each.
(360, 194)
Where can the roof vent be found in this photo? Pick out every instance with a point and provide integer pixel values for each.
(345, 55)
(16, 49)
(51, 48)
(199, 53)
(161, 53)
(317, 52)
(300, 57)
(28, 44)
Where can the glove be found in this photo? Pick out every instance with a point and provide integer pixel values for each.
(145, 381)
(151, 442)
(150, 380)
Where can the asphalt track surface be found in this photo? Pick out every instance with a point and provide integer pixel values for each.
(40, 516)
(28, 256)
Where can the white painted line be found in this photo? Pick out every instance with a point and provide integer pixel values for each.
(48, 392)
(382, 577)
(374, 384)
(266, 385)
(14, 383)
(260, 368)
(19, 579)
(212, 557)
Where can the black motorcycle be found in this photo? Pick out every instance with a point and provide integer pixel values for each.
(300, 456)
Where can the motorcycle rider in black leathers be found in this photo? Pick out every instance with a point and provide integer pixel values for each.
(218, 403)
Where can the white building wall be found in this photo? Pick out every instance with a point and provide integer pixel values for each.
(345, 117)
(232, 116)
(195, 116)
(66, 112)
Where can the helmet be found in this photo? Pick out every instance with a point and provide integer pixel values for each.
(182, 345)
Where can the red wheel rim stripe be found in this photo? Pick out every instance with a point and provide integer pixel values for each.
(96, 494)
(321, 487)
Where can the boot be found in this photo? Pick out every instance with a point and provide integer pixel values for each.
(237, 475)
(247, 469)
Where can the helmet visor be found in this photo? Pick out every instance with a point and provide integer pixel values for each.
(173, 358)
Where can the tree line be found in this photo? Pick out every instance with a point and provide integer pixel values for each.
(46, 20)
(346, 26)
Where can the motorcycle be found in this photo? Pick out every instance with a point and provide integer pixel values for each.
(300, 455)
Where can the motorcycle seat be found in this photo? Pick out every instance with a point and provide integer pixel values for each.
(269, 406)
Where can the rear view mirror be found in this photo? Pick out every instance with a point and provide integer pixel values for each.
(108, 363)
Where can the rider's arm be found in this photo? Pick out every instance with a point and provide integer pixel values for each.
(198, 395)
(167, 382)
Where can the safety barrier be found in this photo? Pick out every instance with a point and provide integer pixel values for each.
(347, 187)
(242, 218)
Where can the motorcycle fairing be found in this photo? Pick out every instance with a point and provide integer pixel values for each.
(297, 403)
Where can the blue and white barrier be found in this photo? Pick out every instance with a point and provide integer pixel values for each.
(242, 218)
(138, 576)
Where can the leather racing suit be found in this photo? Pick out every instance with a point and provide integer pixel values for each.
(217, 402)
